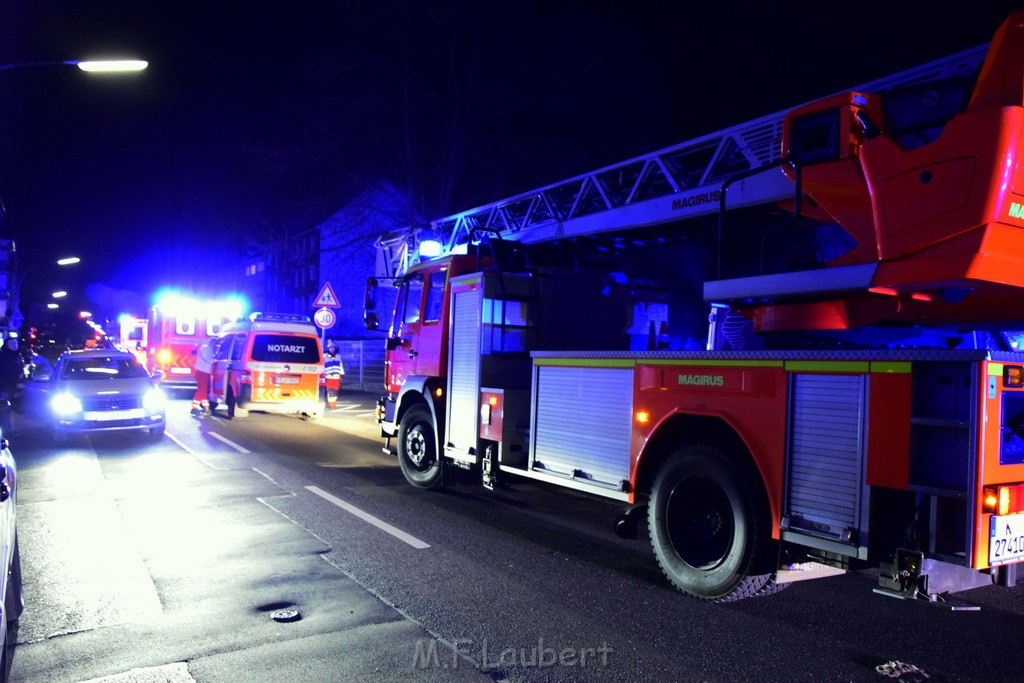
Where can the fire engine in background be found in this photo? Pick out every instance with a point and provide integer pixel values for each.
(178, 326)
(134, 336)
(860, 400)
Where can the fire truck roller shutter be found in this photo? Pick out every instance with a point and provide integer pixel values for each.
(706, 527)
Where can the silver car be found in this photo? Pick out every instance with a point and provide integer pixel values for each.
(96, 390)
(10, 569)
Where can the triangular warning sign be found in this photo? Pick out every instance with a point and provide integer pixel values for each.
(326, 297)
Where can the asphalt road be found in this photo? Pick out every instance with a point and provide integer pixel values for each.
(168, 559)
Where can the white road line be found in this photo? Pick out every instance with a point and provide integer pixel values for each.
(367, 517)
(224, 439)
(180, 443)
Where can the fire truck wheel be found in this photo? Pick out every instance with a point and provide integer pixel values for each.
(704, 527)
(417, 449)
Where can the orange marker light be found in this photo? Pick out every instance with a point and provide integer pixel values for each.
(643, 417)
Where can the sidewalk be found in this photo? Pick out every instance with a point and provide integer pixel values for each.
(156, 567)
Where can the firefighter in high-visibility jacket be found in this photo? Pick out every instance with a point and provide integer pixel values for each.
(334, 370)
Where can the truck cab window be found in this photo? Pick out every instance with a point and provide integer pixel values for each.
(413, 300)
(435, 296)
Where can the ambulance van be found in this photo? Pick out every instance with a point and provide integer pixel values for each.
(270, 362)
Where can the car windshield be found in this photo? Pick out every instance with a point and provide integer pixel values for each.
(102, 368)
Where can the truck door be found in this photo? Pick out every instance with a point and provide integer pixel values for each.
(403, 339)
(417, 346)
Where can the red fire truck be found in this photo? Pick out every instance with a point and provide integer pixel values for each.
(859, 401)
(178, 326)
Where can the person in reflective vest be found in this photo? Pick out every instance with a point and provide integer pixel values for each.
(334, 370)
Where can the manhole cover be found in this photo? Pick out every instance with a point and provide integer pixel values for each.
(286, 615)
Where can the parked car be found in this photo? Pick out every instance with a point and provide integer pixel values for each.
(95, 390)
(12, 603)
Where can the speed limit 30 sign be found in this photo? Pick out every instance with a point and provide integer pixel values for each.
(324, 318)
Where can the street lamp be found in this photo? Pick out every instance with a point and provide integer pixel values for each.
(93, 66)
(16, 319)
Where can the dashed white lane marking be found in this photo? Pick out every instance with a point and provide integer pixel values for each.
(181, 444)
(367, 517)
(224, 439)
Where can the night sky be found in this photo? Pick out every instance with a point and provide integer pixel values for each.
(256, 120)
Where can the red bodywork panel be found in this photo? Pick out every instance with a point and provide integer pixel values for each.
(752, 398)
(942, 221)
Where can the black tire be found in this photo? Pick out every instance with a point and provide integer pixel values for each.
(14, 600)
(157, 433)
(706, 528)
(417, 449)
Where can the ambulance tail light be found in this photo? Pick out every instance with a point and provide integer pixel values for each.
(245, 378)
(164, 356)
(1005, 499)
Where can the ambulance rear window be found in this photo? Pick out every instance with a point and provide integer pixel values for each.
(282, 348)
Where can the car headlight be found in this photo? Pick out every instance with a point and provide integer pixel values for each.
(66, 404)
(154, 400)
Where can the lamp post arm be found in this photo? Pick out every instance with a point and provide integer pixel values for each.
(21, 65)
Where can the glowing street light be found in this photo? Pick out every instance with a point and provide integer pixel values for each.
(90, 65)
(16, 318)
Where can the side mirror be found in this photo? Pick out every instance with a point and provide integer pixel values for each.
(370, 318)
(370, 295)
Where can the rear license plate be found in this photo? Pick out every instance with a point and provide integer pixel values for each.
(105, 415)
(286, 380)
(181, 371)
(1006, 543)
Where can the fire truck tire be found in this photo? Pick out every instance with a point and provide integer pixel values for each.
(704, 527)
(417, 449)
